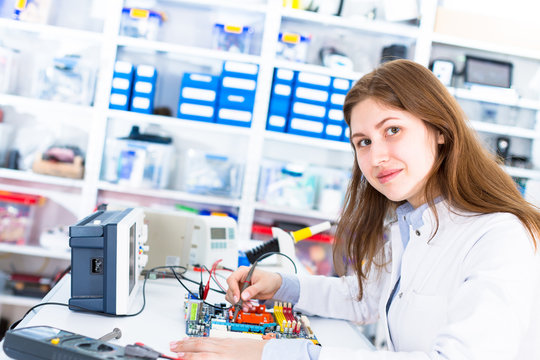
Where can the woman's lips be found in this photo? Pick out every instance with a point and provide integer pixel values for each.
(388, 175)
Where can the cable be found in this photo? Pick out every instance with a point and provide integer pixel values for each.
(264, 256)
(207, 303)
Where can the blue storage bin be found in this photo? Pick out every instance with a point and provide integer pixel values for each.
(240, 69)
(199, 80)
(346, 134)
(315, 81)
(238, 83)
(284, 76)
(144, 88)
(119, 101)
(146, 73)
(198, 95)
(340, 85)
(279, 106)
(236, 99)
(282, 90)
(333, 132)
(335, 116)
(305, 127)
(337, 99)
(235, 117)
(123, 69)
(121, 85)
(311, 95)
(309, 111)
(276, 123)
(196, 111)
(142, 104)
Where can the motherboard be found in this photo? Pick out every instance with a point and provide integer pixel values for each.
(280, 322)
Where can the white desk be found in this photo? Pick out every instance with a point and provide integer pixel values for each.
(162, 320)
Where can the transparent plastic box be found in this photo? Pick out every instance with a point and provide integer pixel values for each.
(292, 47)
(17, 216)
(233, 38)
(141, 23)
(212, 174)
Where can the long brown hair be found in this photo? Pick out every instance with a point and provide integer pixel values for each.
(465, 174)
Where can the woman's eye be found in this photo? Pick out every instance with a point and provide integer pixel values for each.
(392, 130)
(364, 142)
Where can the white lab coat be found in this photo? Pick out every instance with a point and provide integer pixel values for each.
(472, 292)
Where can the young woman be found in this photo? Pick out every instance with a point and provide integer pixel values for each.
(440, 243)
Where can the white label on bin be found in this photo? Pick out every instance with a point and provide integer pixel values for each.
(240, 67)
(198, 94)
(123, 67)
(309, 109)
(284, 74)
(196, 110)
(200, 78)
(341, 84)
(276, 120)
(315, 79)
(347, 132)
(143, 87)
(119, 83)
(280, 89)
(118, 99)
(140, 102)
(307, 125)
(236, 98)
(146, 70)
(335, 114)
(236, 115)
(311, 94)
(334, 130)
(337, 99)
(238, 83)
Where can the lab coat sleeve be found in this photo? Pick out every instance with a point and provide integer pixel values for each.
(490, 311)
(338, 297)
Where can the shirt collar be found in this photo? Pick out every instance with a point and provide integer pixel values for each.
(411, 216)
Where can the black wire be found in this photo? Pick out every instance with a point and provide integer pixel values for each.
(181, 283)
(215, 281)
(265, 255)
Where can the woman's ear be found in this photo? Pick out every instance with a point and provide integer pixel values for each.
(440, 138)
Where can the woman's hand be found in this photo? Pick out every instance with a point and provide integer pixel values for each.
(218, 348)
(263, 286)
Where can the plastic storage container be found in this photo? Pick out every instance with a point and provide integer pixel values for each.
(293, 47)
(17, 216)
(141, 23)
(233, 38)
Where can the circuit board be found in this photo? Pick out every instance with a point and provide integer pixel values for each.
(281, 322)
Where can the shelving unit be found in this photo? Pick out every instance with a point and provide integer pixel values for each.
(81, 196)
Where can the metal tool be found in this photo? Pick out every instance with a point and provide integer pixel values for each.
(115, 334)
(247, 282)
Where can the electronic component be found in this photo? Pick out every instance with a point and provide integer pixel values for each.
(106, 260)
(488, 72)
(205, 320)
(44, 342)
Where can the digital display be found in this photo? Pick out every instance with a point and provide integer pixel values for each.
(488, 72)
(132, 252)
(217, 233)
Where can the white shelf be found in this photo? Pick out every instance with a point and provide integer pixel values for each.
(38, 178)
(33, 106)
(505, 130)
(230, 4)
(191, 51)
(523, 173)
(372, 26)
(35, 251)
(49, 31)
(170, 195)
(171, 121)
(19, 300)
(317, 69)
(309, 213)
(501, 98)
(308, 141)
(480, 45)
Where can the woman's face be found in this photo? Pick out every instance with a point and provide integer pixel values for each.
(394, 150)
